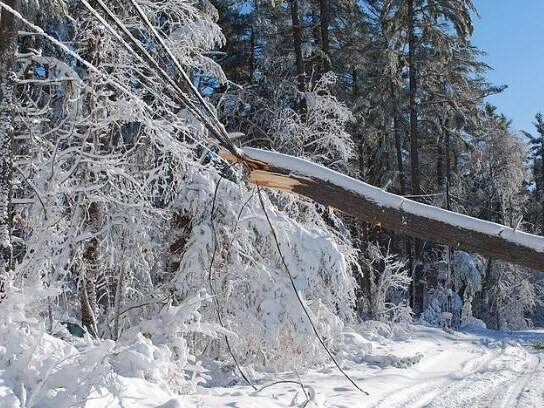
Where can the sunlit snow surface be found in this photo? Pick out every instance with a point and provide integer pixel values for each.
(415, 366)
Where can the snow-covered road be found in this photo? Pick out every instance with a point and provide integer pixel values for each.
(476, 369)
(417, 367)
(509, 376)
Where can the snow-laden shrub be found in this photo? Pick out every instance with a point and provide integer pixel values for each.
(444, 309)
(378, 331)
(389, 281)
(157, 349)
(514, 296)
(253, 288)
(468, 272)
(44, 371)
(40, 370)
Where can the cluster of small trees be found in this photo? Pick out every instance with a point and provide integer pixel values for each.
(119, 216)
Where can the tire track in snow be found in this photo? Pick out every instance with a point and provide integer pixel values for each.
(514, 393)
(499, 384)
(420, 394)
(484, 385)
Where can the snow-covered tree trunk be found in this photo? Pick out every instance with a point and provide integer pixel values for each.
(90, 267)
(8, 47)
(418, 290)
(386, 210)
(89, 271)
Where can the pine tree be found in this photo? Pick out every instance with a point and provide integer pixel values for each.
(536, 158)
(8, 48)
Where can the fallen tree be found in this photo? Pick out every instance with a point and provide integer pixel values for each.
(386, 210)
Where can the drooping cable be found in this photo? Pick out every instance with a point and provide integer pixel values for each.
(145, 57)
(212, 289)
(222, 136)
(106, 77)
(300, 301)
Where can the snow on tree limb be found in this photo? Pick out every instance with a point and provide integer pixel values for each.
(380, 208)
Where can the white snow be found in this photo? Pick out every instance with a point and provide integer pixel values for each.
(385, 199)
(400, 366)
(485, 369)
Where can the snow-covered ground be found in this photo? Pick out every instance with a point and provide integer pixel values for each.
(416, 367)
(431, 369)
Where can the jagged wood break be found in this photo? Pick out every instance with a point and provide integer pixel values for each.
(390, 211)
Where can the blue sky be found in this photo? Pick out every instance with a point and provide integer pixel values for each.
(512, 33)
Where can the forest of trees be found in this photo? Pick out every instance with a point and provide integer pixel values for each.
(118, 215)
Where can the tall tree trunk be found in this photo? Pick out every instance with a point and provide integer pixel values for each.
(398, 141)
(91, 252)
(448, 250)
(297, 43)
(440, 182)
(89, 271)
(252, 55)
(414, 139)
(119, 298)
(417, 270)
(448, 169)
(325, 42)
(400, 167)
(8, 48)
(180, 228)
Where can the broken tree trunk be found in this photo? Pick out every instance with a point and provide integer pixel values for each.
(390, 211)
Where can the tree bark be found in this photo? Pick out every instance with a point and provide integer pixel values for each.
(325, 42)
(297, 42)
(417, 271)
(8, 48)
(89, 271)
(91, 251)
(386, 210)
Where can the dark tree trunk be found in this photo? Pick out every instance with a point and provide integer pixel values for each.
(252, 55)
(448, 169)
(414, 138)
(440, 165)
(417, 270)
(297, 42)
(91, 249)
(398, 141)
(325, 42)
(8, 48)
(180, 227)
(89, 271)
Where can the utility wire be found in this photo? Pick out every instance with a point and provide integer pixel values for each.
(147, 59)
(300, 301)
(108, 78)
(222, 136)
(212, 290)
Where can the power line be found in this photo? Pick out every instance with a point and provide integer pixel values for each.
(222, 135)
(306, 312)
(107, 77)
